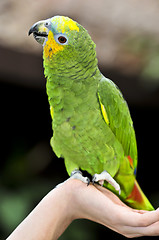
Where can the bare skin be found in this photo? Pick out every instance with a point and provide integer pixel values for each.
(73, 200)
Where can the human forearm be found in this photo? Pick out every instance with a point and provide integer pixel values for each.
(48, 220)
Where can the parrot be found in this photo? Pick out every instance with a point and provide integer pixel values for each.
(91, 122)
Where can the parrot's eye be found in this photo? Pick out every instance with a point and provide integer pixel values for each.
(61, 39)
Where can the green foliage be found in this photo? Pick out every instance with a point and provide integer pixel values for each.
(80, 230)
(13, 208)
(150, 72)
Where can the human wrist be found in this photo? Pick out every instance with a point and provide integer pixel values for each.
(75, 198)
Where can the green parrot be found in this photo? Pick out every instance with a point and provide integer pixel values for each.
(91, 122)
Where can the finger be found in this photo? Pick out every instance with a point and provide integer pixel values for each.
(151, 230)
(128, 216)
(132, 218)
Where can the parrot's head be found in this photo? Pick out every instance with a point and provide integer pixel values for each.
(64, 41)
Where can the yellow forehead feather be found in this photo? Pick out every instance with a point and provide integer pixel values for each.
(67, 22)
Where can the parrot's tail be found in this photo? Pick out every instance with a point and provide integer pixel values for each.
(138, 200)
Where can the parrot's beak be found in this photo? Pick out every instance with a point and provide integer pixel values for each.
(40, 31)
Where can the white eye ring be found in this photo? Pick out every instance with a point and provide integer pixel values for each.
(61, 39)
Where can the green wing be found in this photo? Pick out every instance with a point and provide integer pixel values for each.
(117, 116)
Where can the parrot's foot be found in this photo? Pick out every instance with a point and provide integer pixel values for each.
(76, 174)
(105, 176)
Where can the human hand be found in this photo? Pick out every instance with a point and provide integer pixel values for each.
(100, 205)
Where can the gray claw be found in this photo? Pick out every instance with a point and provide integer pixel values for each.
(93, 179)
(88, 181)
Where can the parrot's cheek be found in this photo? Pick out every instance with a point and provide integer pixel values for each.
(51, 47)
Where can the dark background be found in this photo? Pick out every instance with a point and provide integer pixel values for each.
(28, 167)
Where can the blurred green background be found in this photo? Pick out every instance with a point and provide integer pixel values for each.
(127, 39)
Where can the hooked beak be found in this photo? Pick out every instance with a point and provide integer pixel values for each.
(40, 31)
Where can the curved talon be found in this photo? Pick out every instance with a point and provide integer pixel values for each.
(93, 179)
(88, 182)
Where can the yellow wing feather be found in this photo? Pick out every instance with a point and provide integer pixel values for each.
(52, 111)
(104, 113)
